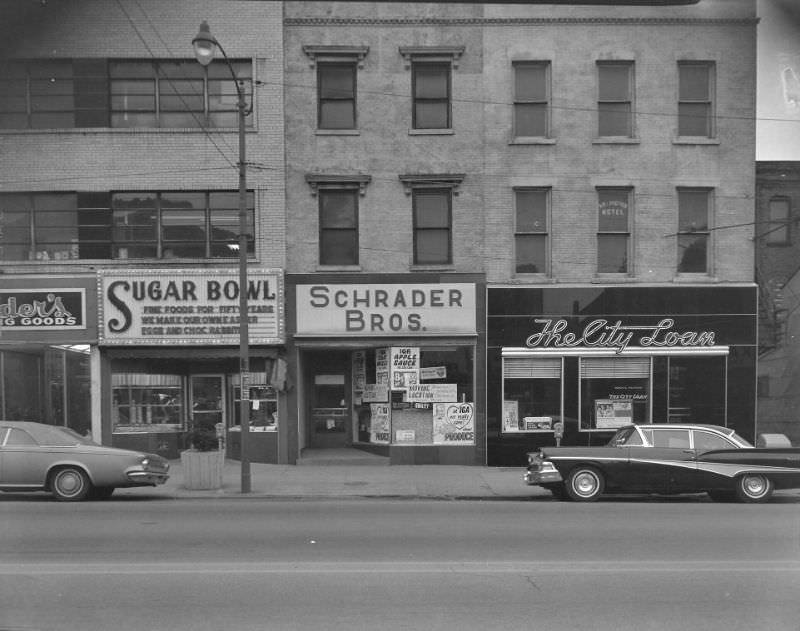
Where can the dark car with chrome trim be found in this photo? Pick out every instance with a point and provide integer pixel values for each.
(40, 457)
(668, 459)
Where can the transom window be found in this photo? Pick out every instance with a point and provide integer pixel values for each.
(615, 98)
(694, 209)
(531, 230)
(532, 99)
(68, 93)
(63, 226)
(696, 98)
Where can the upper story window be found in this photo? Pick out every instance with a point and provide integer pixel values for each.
(123, 225)
(696, 98)
(694, 219)
(431, 85)
(337, 84)
(531, 99)
(615, 80)
(338, 216)
(613, 230)
(70, 93)
(531, 248)
(432, 216)
(778, 226)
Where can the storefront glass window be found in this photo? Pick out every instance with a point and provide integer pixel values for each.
(615, 391)
(697, 390)
(531, 394)
(414, 396)
(22, 386)
(144, 402)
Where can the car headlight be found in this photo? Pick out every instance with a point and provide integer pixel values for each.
(145, 462)
(535, 458)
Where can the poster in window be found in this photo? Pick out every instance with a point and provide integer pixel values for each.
(611, 414)
(379, 427)
(453, 424)
(510, 416)
(404, 362)
(382, 366)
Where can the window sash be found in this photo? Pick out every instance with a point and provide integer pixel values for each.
(336, 90)
(55, 226)
(531, 230)
(432, 211)
(531, 99)
(338, 226)
(431, 95)
(778, 227)
(615, 99)
(695, 99)
(693, 239)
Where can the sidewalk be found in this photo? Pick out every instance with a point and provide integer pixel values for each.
(354, 481)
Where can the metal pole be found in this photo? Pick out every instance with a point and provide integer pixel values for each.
(244, 324)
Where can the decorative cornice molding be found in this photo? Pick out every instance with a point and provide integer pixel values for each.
(431, 180)
(480, 21)
(356, 53)
(453, 53)
(315, 180)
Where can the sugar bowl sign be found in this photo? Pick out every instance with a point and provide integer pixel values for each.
(188, 307)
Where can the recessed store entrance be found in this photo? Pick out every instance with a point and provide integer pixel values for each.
(329, 412)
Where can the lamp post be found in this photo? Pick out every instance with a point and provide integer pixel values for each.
(205, 46)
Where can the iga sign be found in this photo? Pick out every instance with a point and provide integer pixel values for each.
(56, 309)
(453, 423)
(385, 310)
(192, 307)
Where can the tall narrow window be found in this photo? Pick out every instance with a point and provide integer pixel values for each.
(338, 226)
(615, 98)
(135, 232)
(531, 230)
(777, 229)
(613, 231)
(336, 89)
(431, 95)
(432, 225)
(531, 99)
(696, 98)
(694, 209)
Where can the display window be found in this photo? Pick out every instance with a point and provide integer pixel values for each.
(532, 394)
(263, 406)
(614, 391)
(414, 395)
(147, 402)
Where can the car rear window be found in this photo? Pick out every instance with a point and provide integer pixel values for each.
(671, 438)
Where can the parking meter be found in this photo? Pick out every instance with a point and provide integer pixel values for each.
(559, 433)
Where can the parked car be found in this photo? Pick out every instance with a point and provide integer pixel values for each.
(667, 459)
(39, 457)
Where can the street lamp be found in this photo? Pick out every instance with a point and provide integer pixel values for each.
(205, 46)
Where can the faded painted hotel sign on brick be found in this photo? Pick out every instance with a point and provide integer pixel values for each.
(386, 309)
(188, 307)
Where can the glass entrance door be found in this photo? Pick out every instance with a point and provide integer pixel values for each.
(207, 400)
(329, 412)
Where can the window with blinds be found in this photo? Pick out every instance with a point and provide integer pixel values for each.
(532, 399)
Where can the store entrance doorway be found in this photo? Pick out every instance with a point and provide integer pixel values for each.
(207, 400)
(329, 412)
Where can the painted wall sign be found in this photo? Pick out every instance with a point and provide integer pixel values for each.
(602, 333)
(386, 310)
(53, 309)
(188, 307)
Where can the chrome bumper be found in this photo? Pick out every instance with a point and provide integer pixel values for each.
(536, 478)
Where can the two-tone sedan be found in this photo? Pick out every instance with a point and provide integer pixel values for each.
(39, 457)
(667, 459)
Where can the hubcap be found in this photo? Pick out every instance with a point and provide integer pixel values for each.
(755, 485)
(585, 484)
(68, 483)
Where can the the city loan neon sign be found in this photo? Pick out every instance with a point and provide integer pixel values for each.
(601, 334)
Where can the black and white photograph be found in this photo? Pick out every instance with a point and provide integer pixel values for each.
(441, 316)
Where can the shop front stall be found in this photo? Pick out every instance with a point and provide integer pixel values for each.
(48, 332)
(572, 365)
(170, 359)
(390, 366)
